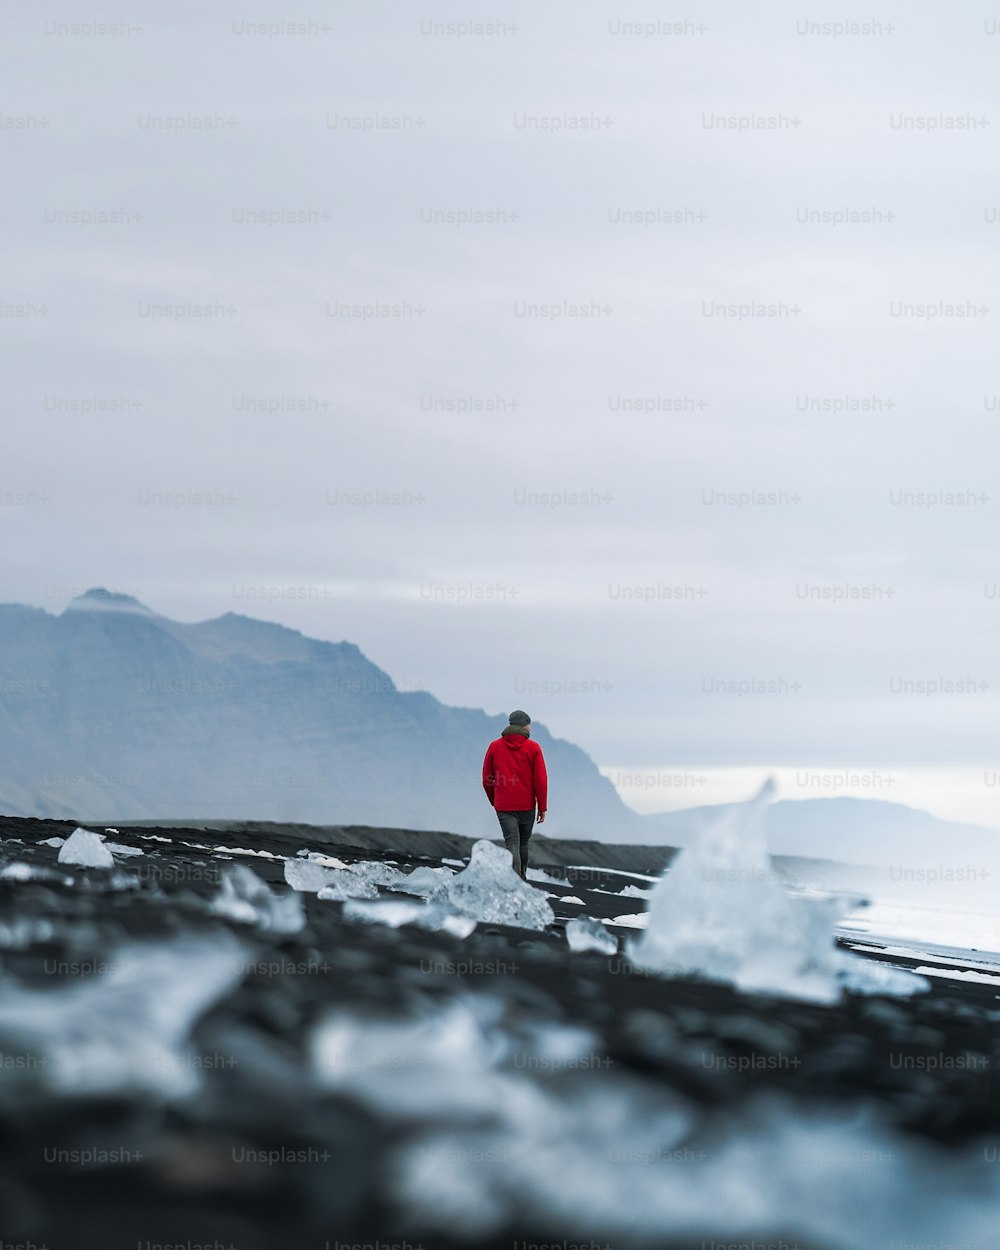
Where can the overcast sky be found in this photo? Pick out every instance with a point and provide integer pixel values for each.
(670, 492)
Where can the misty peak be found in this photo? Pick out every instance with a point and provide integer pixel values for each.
(98, 599)
(115, 711)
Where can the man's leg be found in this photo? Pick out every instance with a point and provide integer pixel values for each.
(510, 827)
(526, 821)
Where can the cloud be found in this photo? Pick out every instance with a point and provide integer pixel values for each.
(629, 309)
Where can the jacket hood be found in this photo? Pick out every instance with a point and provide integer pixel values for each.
(513, 738)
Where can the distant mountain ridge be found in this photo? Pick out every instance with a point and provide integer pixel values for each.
(849, 831)
(113, 712)
(110, 711)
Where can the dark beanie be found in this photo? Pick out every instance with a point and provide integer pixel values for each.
(519, 718)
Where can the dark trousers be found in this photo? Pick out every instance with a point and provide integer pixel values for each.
(516, 827)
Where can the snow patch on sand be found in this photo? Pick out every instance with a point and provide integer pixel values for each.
(631, 920)
(317, 857)
(960, 974)
(539, 874)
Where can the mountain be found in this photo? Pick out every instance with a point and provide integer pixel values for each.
(109, 711)
(849, 831)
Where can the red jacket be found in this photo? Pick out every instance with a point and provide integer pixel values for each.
(514, 775)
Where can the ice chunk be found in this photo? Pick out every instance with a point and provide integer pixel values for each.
(53, 842)
(623, 1163)
(871, 976)
(428, 883)
(722, 912)
(87, 849)
(490, 890)
(17, 870)
(585, 934)
(119, 848)
(347, 885)
(443, 1066)
(306, 876)
(376, 872)
(245, 898)
(394, 912)
(123, 1033)
(488, 1105)
(567, 898)
(23, 931)
(311, 877)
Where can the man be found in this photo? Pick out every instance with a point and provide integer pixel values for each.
(516, 783)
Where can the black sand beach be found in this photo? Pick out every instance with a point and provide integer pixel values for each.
(258, 1153)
